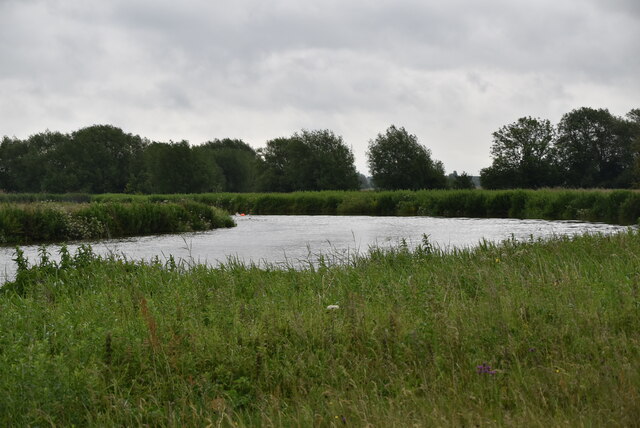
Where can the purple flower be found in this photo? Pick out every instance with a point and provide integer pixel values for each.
(484, 368)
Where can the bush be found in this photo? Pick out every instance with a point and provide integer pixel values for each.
(21, 224)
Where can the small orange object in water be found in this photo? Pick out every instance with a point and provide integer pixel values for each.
(242, 215)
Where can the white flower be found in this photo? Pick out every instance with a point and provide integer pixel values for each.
(332, 307)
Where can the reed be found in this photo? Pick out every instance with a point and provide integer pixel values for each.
(610, 206)
(48, 222)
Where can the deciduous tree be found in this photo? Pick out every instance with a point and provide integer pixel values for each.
(397, 161)
(309, 160)
(523, 156)
(595, 149)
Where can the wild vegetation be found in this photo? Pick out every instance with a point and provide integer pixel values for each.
(618, 206)
(103, 158)
(589, 148)
(536, 333)
(398, 161)
(48, 221)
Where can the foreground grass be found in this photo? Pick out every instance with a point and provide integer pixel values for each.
(111, 342)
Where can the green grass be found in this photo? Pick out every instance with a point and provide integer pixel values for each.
(104, 342)
(609, 206)
(52, 221)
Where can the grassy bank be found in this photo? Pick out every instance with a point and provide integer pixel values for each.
(533, 334)
(47, 222)
(618, 207)
(610, 206)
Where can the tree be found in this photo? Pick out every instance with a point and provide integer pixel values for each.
(237, 161)
(523, 156)
(282, 165)
(176, 168)
(12, 151)
(595, 149)
(309, 160)
(364, 182)
(633, 120)
(461, 182)
(331, 161)
(397, 161)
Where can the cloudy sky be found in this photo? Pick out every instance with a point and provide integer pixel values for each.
(451, 72)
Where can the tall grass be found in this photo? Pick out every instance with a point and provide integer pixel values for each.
(529, 334)
(611, 206)
(46, 222)
(619, 206)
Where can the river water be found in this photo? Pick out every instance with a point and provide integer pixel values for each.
(296, 241)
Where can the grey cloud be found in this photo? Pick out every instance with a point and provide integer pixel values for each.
(208, 67)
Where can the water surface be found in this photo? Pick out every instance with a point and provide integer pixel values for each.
(298, 240)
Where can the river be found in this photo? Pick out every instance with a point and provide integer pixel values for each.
(296, 241)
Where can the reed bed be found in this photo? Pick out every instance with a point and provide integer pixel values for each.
(50, 221)
(515, 334)
(609, 206)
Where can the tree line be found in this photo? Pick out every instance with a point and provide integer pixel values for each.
(588, 148)
(105, 159)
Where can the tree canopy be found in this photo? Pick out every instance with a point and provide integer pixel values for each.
(236, 159)
(523, 156)
(594, 149)
(309, 160)
(588, 148)
(397, 161)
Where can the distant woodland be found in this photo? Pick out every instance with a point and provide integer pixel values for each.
(588, 148)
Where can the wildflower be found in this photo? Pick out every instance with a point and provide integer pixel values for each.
(484, 368)
(497, 260)
(332, 307)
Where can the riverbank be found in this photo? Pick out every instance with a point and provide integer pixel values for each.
(538, 333)
(608, 206)
(41, 222)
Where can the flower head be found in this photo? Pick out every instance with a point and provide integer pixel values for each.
(484, 368)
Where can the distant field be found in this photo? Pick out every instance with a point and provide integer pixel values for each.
(518, 334)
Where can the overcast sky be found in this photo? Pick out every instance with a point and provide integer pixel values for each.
(451, 72)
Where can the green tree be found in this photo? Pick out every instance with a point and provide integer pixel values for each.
(397, 161)
(104, 157)
(595, 149)
(309, 160)
(12, 151)
(331, 162)
(177, 168)
(28, 166)
(461, 182)
(236, 159)
(523, 156)
(364, 182)
(633, 120)
(282, 165)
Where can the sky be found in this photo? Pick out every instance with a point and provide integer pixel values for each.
(450, 72)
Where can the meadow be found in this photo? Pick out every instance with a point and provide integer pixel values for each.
(515, 334)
